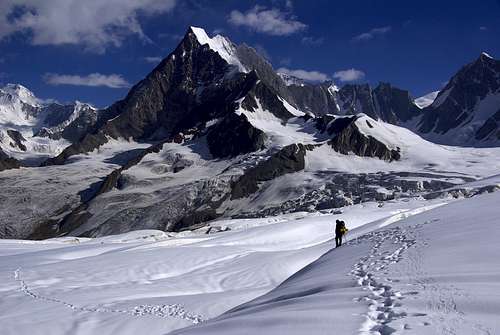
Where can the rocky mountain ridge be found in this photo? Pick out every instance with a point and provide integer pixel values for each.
(213, 131)
(32, 129)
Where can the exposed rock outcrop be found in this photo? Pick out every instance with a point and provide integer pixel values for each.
(351, 140)
(7, 162)
(233, 136)
(288, 160)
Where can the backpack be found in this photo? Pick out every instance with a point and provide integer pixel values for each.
(343, 229)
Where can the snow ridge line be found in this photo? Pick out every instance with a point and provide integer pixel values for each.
(382, 299)
(162, 311)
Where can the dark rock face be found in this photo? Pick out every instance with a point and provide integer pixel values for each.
(288, 160)
(316, 99)
(234, 136)
(7, 162)
(190, 87)
(57, 114)
(384, 102)
(356, 99)
(351, 139)
(268, 99)
(455, 104)
(394, 105)
(80, 126)
(18, 138)
(253, 61)
(57, 122)
(490, 129)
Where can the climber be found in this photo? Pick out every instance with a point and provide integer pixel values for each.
(340, 231)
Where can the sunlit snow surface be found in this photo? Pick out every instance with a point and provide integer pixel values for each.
(429, 275)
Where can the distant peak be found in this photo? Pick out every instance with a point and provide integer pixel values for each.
(426, 100)
(16, 88)
(22, 93)
(485, 55)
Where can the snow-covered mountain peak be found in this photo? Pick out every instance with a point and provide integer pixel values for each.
(484, 54)
(426, 100)
(21, 93)
(220, 44)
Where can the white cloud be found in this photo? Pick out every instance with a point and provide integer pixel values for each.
(95, 24)
(314, 76)
(349, 75)
(93, 79)
(153, 59)
(483, 28)
(267, 21)
(373, 33)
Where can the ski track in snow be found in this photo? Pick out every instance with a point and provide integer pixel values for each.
(162, 311)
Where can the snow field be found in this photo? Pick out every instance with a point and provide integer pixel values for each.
(160, 281)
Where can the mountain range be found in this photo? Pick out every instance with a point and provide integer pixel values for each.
(214, 131)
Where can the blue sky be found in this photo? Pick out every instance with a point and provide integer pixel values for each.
(94, 50)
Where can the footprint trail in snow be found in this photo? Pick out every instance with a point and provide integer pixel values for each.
(162, 311)
(388, 248)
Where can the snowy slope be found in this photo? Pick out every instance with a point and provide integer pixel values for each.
(426, 100)
(394, 280)
(104, 285)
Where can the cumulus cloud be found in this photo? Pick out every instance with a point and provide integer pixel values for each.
(373, 33)
(153, 59)
(314, 76)
(93, 79)
(95, 24)
(312, 41)
(349, 75)
(267, 21)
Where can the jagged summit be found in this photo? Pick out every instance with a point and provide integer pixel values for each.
(467, 110)
(210, 130)
(220, 44)
(485, 55)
